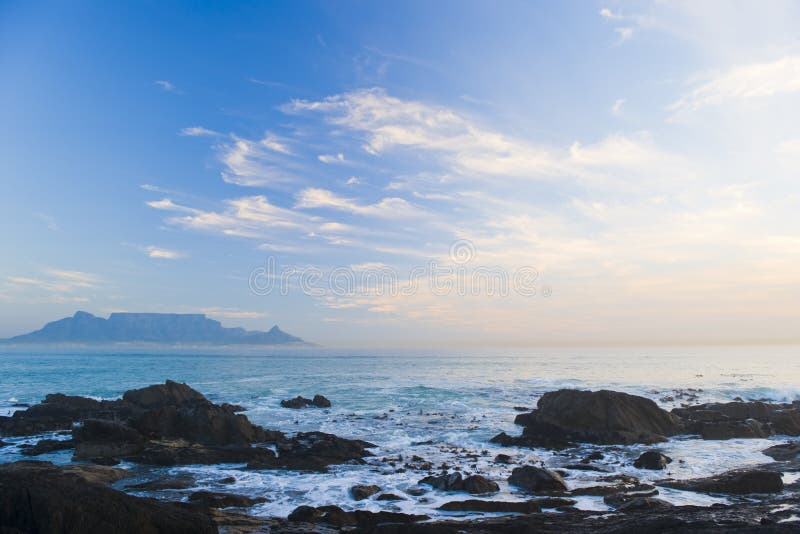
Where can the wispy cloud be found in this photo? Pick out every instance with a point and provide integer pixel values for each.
(168, 87)
(331, 158)
(743, 82)
(163, 253)
(391, 207)
(198, 131)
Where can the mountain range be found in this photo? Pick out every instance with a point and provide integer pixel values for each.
(83, 327)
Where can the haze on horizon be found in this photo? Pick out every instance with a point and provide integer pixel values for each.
(641, 156)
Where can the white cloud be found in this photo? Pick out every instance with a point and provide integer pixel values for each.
(329, 158)
(743, 82)
(167, 86)
(232, 313)
(389, 207)
(198, 131)
(256, 163)
(353, 180)
(616, 107)
(624, 32)
(168, 205)
(163, 253)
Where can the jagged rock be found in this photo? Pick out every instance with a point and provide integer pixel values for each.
(363, 492)
(537, 480)
(783, 452)
(210, 499)
(315, 451)
(168, 453)
(474, 484)
(97, 438)
(737, 482)
(652, 460)
(605, 417)
(617, 499)
(728, 420)
(305, 514)
(58, 412)
(554, 502)
(178, 482)
(46, 446)
(502, 459)
(416, 491)
(318, 401)
(41, 497)
(475, 505)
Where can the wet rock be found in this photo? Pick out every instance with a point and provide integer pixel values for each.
(178, 482)
(475, 505)
(617, 499)
(305, 514)
(783, 452)
(233, 408)
(179, 452)
(362, 492)
(555, 502)
(42, 497)
(210, 499)
(363, 519)
(315, 451)
(318, 401)
(226, 480)
(46, 446)
(537, 480)
(474, 484)
(737, 482)
(502, 459)
(389, 497)
(754, 419)
(3, 443)
(606, 417)
(652, 460)
(586, 467)
(416, 491)
(639, 504)
(592, 457)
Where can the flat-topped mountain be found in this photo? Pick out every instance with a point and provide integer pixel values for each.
(84, 327)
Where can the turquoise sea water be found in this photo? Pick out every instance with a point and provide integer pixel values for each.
(451, 401)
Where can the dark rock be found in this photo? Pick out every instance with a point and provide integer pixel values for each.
(753, 419)
(585, 467)
(783, 452)
(389, 497)
(296, 403)
(363, 492)
(41, 497)
(226, 480)
(416, 491)
(596, 455)
(652, 460)
(618, 499)
(45, 446)
(555, 502)
(210, 499)
(168, 453)
(475, 505)
(233, 408)
(305, 514)
(315, 451)
(320, 402)
(364, 519)
(477, 485)
(97, 438)
(639, 504)
(502, 459)
(737, 482)
(178, 482)
(605, 417)
(537, 480)
(57, 412)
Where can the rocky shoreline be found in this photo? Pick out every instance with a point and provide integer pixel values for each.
(171, 424)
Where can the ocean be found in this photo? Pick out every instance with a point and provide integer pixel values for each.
(440, 405)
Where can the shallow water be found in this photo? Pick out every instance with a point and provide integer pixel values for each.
(398, 400)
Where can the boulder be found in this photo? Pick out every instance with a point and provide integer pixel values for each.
(537, 480)
(361, 492)
(98, 438)
(389, 497)
(315, 451)
(41, 497)
(46, 446)
(783, 452)
(210, 499)
(737, 482)
(334, 515)
(296, 403)
(640, 504)
(652, 460)
(320, 402)
(605, 417)
(740, 419)
(305, 514)
(58, 412)
(473, 484)
(502, 459)
(477, 485)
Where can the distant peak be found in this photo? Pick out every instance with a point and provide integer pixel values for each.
(83, 315)
(275, 329)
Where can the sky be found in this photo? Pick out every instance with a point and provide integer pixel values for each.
(572, 172)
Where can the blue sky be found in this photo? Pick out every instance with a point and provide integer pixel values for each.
(642, 157)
